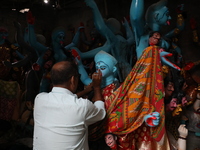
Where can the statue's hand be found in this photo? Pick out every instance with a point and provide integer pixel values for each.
(30, 18)
(152, 119)
(90, 3)
(183, 131)
(164, 55)
(81, 27)
(125, 23)
(76, 56)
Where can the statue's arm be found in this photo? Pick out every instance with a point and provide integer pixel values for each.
(31, 34)
(129, 32)
(99, 21)
(137, 18)
(163, 56)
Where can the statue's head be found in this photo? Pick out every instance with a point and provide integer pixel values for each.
(58, 35)
(158, 13)
(111, 140)
(171, 102)
(114, 25)
(106, 63)
(41, 39)
(154, 38)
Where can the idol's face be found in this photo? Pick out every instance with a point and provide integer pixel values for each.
(172, 105)
(155, 39)
(110, 140)
(164, 17)
(103, 68)
(60, 38)
(184, 101)
(169, 89)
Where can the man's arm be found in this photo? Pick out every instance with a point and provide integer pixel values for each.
(96, 81)
(96, 111)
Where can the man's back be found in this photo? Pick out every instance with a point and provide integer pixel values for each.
(61, 120)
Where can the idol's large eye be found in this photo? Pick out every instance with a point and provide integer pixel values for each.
(103, 67)
(61, 37)
(167, 14)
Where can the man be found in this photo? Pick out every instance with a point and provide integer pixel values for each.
(61, 118)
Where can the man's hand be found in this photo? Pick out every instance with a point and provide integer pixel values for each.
(152, 119)
(96, 79)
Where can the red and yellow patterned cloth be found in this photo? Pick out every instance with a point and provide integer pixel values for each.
(140, 94)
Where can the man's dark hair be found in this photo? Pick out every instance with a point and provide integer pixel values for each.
(63, 74)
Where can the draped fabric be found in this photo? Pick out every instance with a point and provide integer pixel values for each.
(140, 94)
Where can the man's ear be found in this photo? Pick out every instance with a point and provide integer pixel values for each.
(72, 82)
(114, 69)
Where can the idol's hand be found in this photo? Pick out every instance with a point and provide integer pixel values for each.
(183, 131)
(125, 23)
(164, 55)
(30, 18)
(76, 56)
(152, 119)
(81, 27)
(90, 3)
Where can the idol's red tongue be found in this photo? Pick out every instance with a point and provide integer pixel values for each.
(61, 42)
(168, 22)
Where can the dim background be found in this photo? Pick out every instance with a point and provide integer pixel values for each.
(70, 13)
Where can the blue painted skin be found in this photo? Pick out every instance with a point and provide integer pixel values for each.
(58, 37)
(29, 52)
(156, 16)
(115, 43)
(106, 63)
